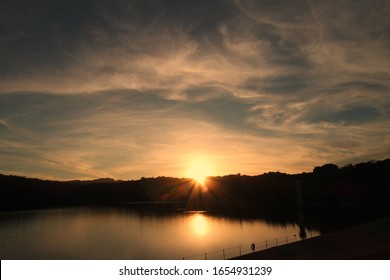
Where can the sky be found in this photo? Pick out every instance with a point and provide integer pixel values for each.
(130, 89)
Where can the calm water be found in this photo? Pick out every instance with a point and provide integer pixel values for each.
(123, 233)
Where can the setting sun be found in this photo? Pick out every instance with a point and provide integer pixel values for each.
(199, 170)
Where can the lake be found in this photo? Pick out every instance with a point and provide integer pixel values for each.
(134, 233)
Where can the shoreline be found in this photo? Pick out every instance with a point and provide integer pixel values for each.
(369, 241)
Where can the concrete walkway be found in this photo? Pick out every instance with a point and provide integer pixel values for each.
(367, 241)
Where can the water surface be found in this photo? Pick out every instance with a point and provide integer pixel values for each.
(126, 233)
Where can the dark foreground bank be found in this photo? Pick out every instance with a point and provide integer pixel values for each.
(368, 241)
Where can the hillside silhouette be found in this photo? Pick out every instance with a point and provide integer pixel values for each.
(363, 183)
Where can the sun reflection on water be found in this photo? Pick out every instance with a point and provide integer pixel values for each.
(199, 224)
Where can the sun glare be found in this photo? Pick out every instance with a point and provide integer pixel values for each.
(199, 224)
(199, 170)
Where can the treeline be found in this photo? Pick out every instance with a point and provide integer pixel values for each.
(363, 183)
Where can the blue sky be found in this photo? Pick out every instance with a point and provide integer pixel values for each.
(126, 89)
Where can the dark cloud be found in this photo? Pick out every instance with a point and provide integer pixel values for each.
(230, 113)
(359, 85)
(38, 34)
(290, 84)
(346, 116)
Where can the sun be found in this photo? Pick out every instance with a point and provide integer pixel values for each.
(199, 170)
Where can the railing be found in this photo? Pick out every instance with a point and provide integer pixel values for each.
(228, 253)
